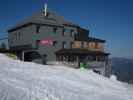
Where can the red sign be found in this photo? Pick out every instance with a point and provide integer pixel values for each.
(48, 41)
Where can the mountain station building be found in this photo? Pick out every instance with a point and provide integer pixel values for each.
(51, 38)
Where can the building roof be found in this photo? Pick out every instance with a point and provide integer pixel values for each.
(93, 39)
(80, 51)
(39, 18)
(90, 39)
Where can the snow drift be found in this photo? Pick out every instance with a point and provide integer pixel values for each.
(30, 81)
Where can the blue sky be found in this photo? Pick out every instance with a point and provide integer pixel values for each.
(111, 20)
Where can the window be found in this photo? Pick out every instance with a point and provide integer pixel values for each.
(96, 45)
(37, 43)
(82, 44)
(37, 29)
(71, 44)
(72, 33)
(92, 45)
(64, 32)
(19, 35)
(85, 45)
(55, 29)
(63, 44)
(15, 37)
(54, 43)
(44, 59)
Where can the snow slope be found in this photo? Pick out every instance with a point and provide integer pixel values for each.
(30, 81)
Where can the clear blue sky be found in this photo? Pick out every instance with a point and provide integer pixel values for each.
(111, 20)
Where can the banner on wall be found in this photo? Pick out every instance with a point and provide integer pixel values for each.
(48, 41)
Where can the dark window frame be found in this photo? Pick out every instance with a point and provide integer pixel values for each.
(72, 33)
(55, 29)
(37, 43)
(55, 43)
(63, 32)
(71, 45)
(82, 44)
(38, 29)
(64, 44)
(16, 36)
(19, 35)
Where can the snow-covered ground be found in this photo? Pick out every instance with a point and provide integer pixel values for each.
(30, 81)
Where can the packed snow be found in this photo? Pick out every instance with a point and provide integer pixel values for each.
(30, 81)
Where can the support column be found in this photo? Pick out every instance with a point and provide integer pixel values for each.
(96, 58)
(78, 62)
(23, 56)
(106, 68)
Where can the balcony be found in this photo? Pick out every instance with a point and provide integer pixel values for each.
(90, 46)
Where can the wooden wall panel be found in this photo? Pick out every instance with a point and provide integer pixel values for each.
(90, 46)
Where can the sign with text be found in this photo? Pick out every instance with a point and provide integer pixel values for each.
(47, 41)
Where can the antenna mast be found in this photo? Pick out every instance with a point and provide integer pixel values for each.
(45, 8)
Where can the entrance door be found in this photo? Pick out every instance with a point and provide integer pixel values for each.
(31, 55)
(44, 59)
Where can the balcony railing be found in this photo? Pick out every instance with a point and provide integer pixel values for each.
(95, 64)
(89, 64)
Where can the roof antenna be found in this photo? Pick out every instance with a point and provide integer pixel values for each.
(45, 8)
